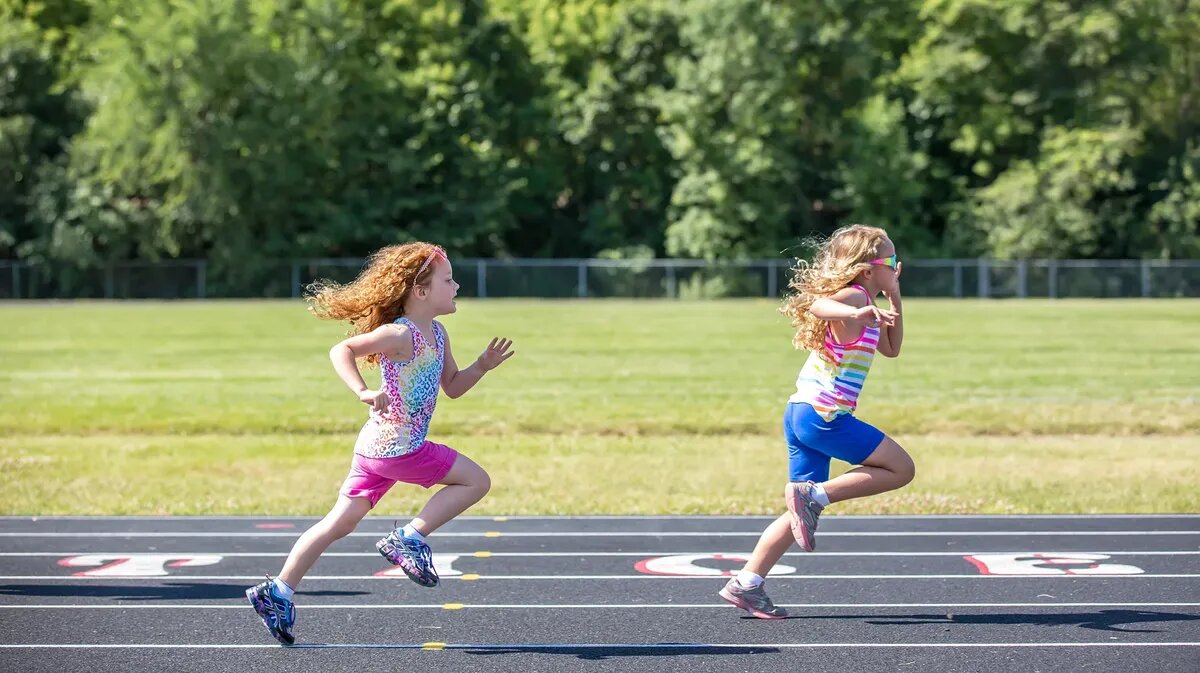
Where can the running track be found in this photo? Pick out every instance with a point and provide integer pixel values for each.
(920, 593)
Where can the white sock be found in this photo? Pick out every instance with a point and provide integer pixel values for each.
(283, 589)
(412, 533)
(748, 580)
(818, 494)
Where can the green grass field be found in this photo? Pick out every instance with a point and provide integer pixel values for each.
(609, 407)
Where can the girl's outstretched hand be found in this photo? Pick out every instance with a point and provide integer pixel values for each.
(874, 316)
(497, 352)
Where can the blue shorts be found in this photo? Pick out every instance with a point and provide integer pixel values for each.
(812, 441)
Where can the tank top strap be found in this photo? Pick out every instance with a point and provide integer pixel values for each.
(862, 289)
(439, 336)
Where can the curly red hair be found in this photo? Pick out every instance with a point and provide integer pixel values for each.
(377, 296)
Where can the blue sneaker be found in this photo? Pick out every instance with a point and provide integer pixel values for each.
(413, 556)
(278, 613)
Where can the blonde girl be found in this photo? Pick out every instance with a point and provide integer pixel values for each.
(832, 307)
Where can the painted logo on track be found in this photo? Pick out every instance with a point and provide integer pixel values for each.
(1049, 563)
(701, 565)
(136, 565)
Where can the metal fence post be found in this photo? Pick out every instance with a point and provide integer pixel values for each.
(201, 278)
(1052, 280)
(108, 281)
(985, 279)
(1145, 278)
(1022, 278)
(581, 287)
(958, 279)
(671, 289)
(772, 283)
(481, 278)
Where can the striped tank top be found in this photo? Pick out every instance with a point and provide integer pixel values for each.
(412, 390)
(833, 388)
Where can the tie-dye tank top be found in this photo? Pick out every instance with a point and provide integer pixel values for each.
(412, 390)
(833, 389)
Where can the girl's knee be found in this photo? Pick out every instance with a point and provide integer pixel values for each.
(893, 458)
(905, 468)
(482, 483)
(343, 521)
(340, 527)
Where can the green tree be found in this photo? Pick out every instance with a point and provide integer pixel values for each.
(757, 119)
(38, 116)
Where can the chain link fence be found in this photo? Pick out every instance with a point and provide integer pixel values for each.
(598, 278)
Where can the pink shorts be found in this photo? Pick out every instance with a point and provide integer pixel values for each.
(370, 478)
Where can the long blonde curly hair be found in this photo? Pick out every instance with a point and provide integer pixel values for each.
(376, 297)
(837, 262)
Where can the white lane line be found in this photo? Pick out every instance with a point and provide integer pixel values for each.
(586, 606)
(469, 577)
(541, 647)
(706, 534)
(608, 517)
(631, 554)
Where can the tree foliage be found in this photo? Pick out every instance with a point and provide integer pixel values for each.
(242, 131)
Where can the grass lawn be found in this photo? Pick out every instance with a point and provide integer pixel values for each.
(609, 407)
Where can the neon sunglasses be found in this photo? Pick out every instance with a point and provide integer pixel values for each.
(890, 262)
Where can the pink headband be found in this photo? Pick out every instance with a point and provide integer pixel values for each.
(437, 252)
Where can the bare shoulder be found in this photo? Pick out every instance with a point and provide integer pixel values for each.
(393, 329)
(851, 296)
(393, 337)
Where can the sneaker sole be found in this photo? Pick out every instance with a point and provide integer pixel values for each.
(415, 578)
(739, 603)
(803, 537)
(282, 638)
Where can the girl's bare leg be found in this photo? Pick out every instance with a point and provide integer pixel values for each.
(772, 545)
(887, 468)
(337, 524)
(466, 483)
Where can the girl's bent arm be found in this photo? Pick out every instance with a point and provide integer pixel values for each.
(389, 340)
(342, 357)
(892, 335)
(828, 308)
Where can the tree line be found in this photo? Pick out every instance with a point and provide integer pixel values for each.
(240, 131)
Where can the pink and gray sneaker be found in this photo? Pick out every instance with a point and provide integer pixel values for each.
(804, 511)
(754, 601)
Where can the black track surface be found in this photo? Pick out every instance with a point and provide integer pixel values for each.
(582, 594)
